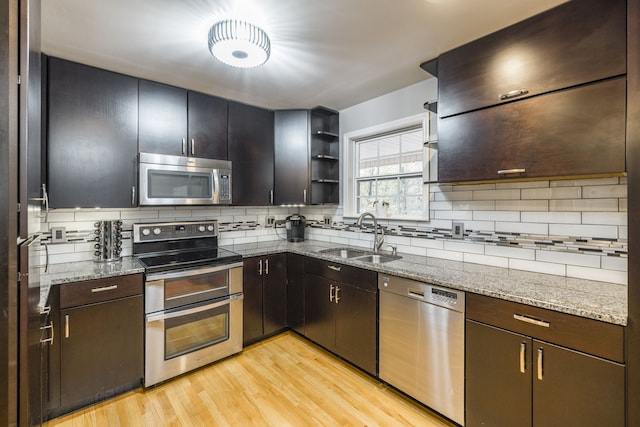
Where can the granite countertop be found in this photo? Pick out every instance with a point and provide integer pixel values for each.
(586, 298)
(78, 271)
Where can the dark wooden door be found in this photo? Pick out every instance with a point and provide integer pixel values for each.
(92, 136)
(251, 151)
(498, 393)
(163, 119)
(356, 326)
(207, 123)
(253, 299)
(319, 311)
(295, 292)
(291, 182)
(575, 43)
(102, 351)
(274, 293)
(558, 134)
(576, 389)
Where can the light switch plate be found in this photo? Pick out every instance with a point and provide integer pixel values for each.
(270, 221)
(457, 230)
(58, 234)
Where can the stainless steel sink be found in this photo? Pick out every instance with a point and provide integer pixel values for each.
(378, 259)
(346, 252)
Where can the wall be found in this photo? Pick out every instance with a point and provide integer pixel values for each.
(573, 228)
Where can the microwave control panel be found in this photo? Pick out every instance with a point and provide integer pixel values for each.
(225, 186)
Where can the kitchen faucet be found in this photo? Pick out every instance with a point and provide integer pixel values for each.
(378, 240)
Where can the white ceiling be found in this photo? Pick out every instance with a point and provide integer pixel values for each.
(335, 53)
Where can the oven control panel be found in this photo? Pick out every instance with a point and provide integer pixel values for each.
(159, 231)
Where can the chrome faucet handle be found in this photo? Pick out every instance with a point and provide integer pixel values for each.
(394, 249)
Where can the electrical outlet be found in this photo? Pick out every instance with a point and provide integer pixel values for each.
(457, 230)
(270, 221)
(327, 220)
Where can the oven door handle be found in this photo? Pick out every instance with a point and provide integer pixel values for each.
(180, 313)
(190, 273)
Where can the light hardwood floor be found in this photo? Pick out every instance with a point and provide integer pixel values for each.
(283, 381)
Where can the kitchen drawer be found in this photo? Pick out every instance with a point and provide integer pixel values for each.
(354, 276)
(99, 290)
(590, 336)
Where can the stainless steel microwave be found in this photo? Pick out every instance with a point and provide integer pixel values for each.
(177, 180)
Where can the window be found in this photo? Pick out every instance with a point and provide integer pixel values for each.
(387, 167)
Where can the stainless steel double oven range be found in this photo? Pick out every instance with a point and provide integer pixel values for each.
(193, 297)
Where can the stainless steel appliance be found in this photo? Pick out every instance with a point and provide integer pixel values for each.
(177, 180)
(193, 297)
(422, 343)
(295, 225)
(108, 240)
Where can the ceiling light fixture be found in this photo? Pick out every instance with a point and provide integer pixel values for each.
(239, 44)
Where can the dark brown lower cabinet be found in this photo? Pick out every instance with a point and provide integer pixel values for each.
(265, 296)
(515, 380)
(100, 342)
(295, 292)
(340, 311)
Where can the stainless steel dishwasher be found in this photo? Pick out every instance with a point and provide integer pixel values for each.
(422, 343)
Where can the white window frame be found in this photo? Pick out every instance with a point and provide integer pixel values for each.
(349, 141)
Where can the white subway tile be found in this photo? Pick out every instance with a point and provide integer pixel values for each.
(427, 243)
(412, 250)
(437, 253)
(623, 232)
(623, 180)
(486, 260)
(510, 194)
(480, 225)
(233, 234)
(584, 205)
(477, 205)
(268, 238)
(440, 223)
(583, 260)
(496, 216)
(619, 277)
(523, 228)
(441, 206)
(55, 216)
(552, 217)
(454, 215)
(474, 187)
(526, 184)
(604, 191)
(510, 252)
(522, 205)
(473, 248)
(623, 205)
(96, 215)
(141, 214)
(398, 240)
(440, 188)
(583, 182)
(605, 218)
(595, 231)
(615, 263)
(178, 213)
(538, 267)
(71, 257)
(60, 248)
(339, 240)
(453, 195)
(552, 193)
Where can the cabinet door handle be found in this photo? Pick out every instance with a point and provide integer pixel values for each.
(331, 293)
(523, 349)
(271, 196)
(531, 320)
(260, 268)
(266, 267)
(540, 363)
(50, 328)
(337, 296)
(335, 267)
(66, 326)
(104, 289)
(511, 171)
(133, 196)
(184, 145)
(304, 195)
(193, 146)
(513, 94)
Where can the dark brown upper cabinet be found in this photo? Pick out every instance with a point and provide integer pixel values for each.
(179, 122)
(251, 153)
(574, 43)
(92, 131)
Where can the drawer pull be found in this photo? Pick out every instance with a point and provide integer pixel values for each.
(513, 94)
(66, 326)
(511, 171)
(523, 349)
(531, 320)
(331, 293)
(335, 267)
(337, 297)
(540, 363)
(104, 289)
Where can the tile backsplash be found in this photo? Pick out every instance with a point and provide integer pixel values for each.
(574, 228)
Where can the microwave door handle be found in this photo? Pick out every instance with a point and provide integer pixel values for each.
(216, 185)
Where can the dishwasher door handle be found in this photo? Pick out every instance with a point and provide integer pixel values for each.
(414, 293)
